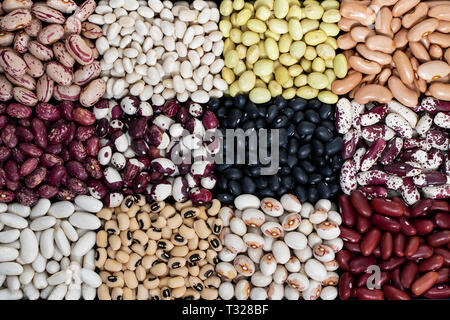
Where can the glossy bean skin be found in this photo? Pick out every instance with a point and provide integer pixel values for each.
(412, 245)
(360, 264)
(408, 274)
(370, 241)
(386, 245)
(367, 294)
(345, 286)
(361, 204)
(424, 283)
(392, 293)
(440, 291)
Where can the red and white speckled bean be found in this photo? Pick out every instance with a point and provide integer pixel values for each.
(348, 176)
(344, 116)
(399, 124)
(374, 115)
(442, 119)
(371, 177)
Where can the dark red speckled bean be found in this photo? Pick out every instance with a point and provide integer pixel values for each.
(392, 293)
(408, 274)
(360, 204)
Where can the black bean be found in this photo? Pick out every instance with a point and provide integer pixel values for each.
(235, 188)
(233, 173)
(304, 151)
(280, 121)
(313, 195)
(272, 113)
(254, 171)
(225, 198)
(325, 111)
(314, 104)
(234, 117)
(334, 188)
(280, 102)
(300, 175)
(248, 186)
(328, 124)
(261, 123)
(308, 166)
(274, 182)
(288, 112)
(262, 111)
(251, 109)
(326, 171)
(300, 192)
(292, 160)
(222, 183)
(297, 104)
(239, 101)
(222, 112)
(293, 146)
(266, 193)
(323, 190)
(334, 146)
(287, 182)
(323, 134)
(305, 128)
(290, 130)
(312, 116)
(262, 182)
(283, 156)
(214, 104)
(286, 169)
(249, 124)
(317, 147)
(298, 116)
(315, 178)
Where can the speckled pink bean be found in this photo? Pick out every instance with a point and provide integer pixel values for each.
(35, 68)
(424, 124)
(67, 93)
(442, 119)
(59, 73)
(47, 14)
(50, 34)
(25, 96)
(434, 105)
(86, 73)
(92, 93)
(416, 143)
(371, 192)
(357, 157)
(66, 6)
(72, 26)
(34, 27)
(371, 177)
(40, 51)
(5, 89)
(16, 19)
(344, 116)
(348, 176)
(6, 38)
(402, 169)
(62, 55)
(430, 178)
(25, 81)
(44, 88)
(12, 63)
(372, 155)
(374, 115)
(85, 10)
(437, 139)
(21, 40)
(79, 49)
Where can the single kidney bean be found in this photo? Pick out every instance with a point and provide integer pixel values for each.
(93, 168)
(360, 264)
(76, 169)
(406, 209)
(6, 196)
(343, 258)
(49, 160)
(394, 275)
(77, 186)
(387, 207)
(47, 191)
(352, 247)
(346, 210)
(71, 135)
(423, 226)
(362, 224)
(56, 175)
(386, 245)
(421, 207)
(377, 252)
(392, 293)
(24, 134)
(440, 291)
(412, 246)
(408, 274)
(58, 133)
(93, 146)
(440, 205)
(36, 177)
(391, 264)
(368, 294)
(19, 111)
(439, 238)
(349, 235)
(77, 150)
(424, 283)
(17, 155)
(65, 194)
(424, 252)
(40, 132)
(12, 170)
(370, 241)
(399, 245)
(385, 223)
(345, 284)
(66, 109)
(442, 220)
(360, 204)
(84, 132)
(28, 166)
(30, 150)
(431, 264)
(445, 253)
(47, 111)
(406, 227)
(443, 275)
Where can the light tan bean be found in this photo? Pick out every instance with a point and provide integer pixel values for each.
(372, 92)
(380, 43)
(440, 90)
(433, 70)
(419, 51)
(417, 14)
(357, 11)
(377, 56)
(347, 24)
(441, 12)
(422, 29)
(383, 22)
(403, 67)
(401, 38)
(441, 39)
(360, 34)
(346, 41)
(364, 66)
(402, 93)
(403, 6)
(396, 24)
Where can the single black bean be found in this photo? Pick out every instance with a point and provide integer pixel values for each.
(313, 195)
(300, 175)
(288, 112)
(248, 185)
(251, 109)
(262, 182)
(317, 147)
(233, 173)
(280, 102)
(266, 193)
(308, 166)
(262, 111)
(323, 134)
(292, 161)
(334, 146)
(306, 128)
(323, 190)
(312, 116)
(222, 183)
(286, 169)
(280, 121)
(225, 198)
(326, 171)
(298, 116)
(314, 104)
(235, 188)
(298, 104)
(234, 117)
(304, 151)
(325, 111)
(274, 182)
(272, 113)
(328, 124)
(315, 178)
(293, 146)
(239, 101)
(261, 123)
(287, 182)
(290, 130)
(249, 124)
(214, 104)
(301, 194)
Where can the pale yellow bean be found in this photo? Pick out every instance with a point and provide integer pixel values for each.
(306, 64)
(294, 12)
(250, 38)
(331, 77)
(282, 75)
(331, 16)
(227, 75)
(252, 54)
(226, 8)
(259, 95)
(289, 93)
(236, 35)
(287, 60)
(297, 49)
(307, 92)
(238, 4)
(317, 80)
(310, 53)
(313, 11)
(247, 81)
(271, 48)
(274, 88)
(340, 66)
(239, 68)
(285, 43)
(228, 45)
(231, 58)
(243, 16)
(327, 97)
(318, 65)
(325, 51)
(332, 42)
(263, 67)
(301, 80)
(270, 34)
(313, 38)
(330, 4)
(331, 29)
(242, 51)
(225, 28)
(309, 25)
(234, 89)
(280, 8)
(295, 70)
(257, 26)
(278, 26)
(263, 13)
(295, 29)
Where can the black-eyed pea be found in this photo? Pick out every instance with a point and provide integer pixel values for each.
(157, 206)
(103, 292)
(215, 242)
(139, 249)
(178, 240)
(146, 208)
(203, 244)
(193, 243)
(130, 279)
(212, 282)
(168, 211)
(196, 283)
(111, 253)
(179, 251)
(133, 210)
(151, 247)
(151, 283)
(215, 206)
(100, 257)
(139, 199)
(127, 203)
(155, 294)
(212, 256)
(115, 280)
(159, 269)
(175, 221)
(181, 205)
(148, 260)
(126, 238)
(102, 239)
(114, 242)
(165, 293)
(166, 233)
(143, 220)
(122, 256)
(186, 232)
(201, 229)
(195, 256)
(111, 227)
(162, 255)
(123, 221)
(193, 269)
(104, 275)
(141, 273)
(183, 272)
(178, 292)
(142, 293)
(191, 294)
(105, 214)
(206, 271)
(154, 233)
(209, 294)
(134, 224)
(141, 237)
(190, 212)
(160, 222)
(163, 282)
(112, 265)
(202, 263)
(176, 262)
(134, 261)
(126, 249)
(117, 293)
(165, 245)
(129, 294)
(175, 282)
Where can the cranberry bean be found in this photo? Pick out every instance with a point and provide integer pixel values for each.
(65, 194)
(6, 196)
(370, 241)
(392, 293)
(56, 175)
(83, 116)
(5, 153)
(36, 177)
(360, 264)
(77, 186)
(28, 166)
(77, 150)
(424, 283)
(40, 132)
(345, 284)
(30, 150)
(24, 134)
(93, 168)
(19, 111)
(408, 274)
(386, 245)
(360, 204)
(66, 109)
(54, 148)
(93, 146)
(85, 132)
(9, 137)
(58, 134)
(47, 111)
(49, 160)
(71, 135)
(27, 197)
(47, 191)
(76, 169)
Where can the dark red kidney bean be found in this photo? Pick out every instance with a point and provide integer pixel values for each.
(93, 146)
(36, 177)
(406, 209)
(399, 245)
(76, 169)
(367, 294)
(362, 224)
(431, 264)
(406, 227)
(440, 205)
(424, 283)
(411, 246)
(385, 223)
(27, 196)
(387, 207)
(28, 166)
(440, 291)
(445, 253)
(408, 273)
(437, 239)
(47, 191)
(360, 264)
(349, 235)
(386, 245)
(443, 275)
(5, 153)
(30, 150)
(343, 258)
(9, 137)
(77, 150)
(370, 241)
(377, 252)
(352, 247)
(442, 220)
(12, 170)
(362, 279)
(392, 293)
(66, 108)
(394, 275)
(6, 196)
(421, 207)
(346, 210)
(49, 160)
(93, 168)
(424, 252)
(423, 226)
(360, 204)
(56, 175)
(47, 111)
(24, 134)
(345, 284)
(40, 132)
(84, 132)
(391, 263)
